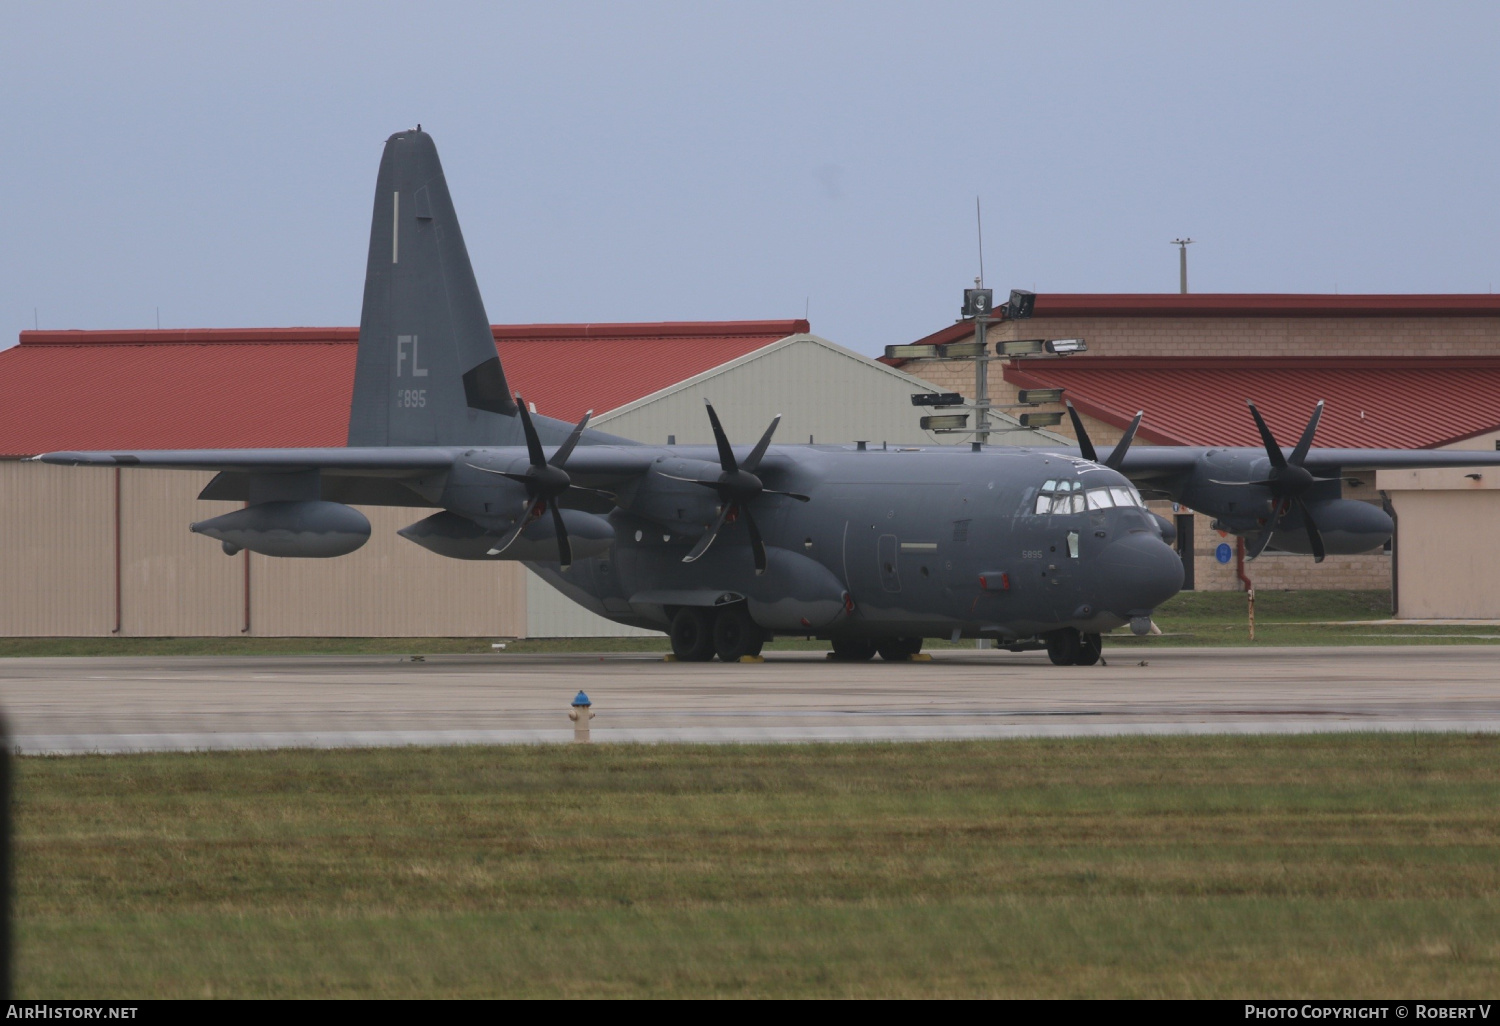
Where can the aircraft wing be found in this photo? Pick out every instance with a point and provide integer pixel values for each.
(593, 466)
(1149, 462)
(360, 462)
(1400, 459)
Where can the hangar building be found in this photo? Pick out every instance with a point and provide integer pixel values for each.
(99, 552)
(1397, 371)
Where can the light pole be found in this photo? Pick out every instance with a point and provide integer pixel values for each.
(1182, 245)
(978, 302)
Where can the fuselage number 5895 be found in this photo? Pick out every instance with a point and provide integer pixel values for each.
(411, 397)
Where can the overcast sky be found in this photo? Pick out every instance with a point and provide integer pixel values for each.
(689, 161)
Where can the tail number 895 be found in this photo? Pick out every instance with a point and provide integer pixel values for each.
(411, 398)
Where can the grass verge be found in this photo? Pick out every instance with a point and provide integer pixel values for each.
(1350, 865)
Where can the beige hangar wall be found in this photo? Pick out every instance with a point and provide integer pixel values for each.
(57, 551)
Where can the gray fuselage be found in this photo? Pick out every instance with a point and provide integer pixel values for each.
(916, 542)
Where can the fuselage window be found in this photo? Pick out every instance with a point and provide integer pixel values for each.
(1123, 496)
(1099, 498)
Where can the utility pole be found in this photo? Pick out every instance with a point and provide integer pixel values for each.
(980, 307)
(981, 371)
(1182, 245)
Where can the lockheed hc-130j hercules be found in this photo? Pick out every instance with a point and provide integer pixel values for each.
(724, 546)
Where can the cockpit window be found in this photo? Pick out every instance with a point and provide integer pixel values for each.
(1071, 497)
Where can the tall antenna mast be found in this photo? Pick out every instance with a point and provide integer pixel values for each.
(979, 225)
(1182, 245)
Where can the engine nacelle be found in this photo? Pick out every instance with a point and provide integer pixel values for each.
(457, 537)
(1348, 526)
(310, 529)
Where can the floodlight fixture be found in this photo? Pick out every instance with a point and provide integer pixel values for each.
(1036, 420)
(911, 352)
(1034, 396)
(1019, 306)
(946, 422)
(978, 303)
(1064, 346)
(1022, 347)
(937, 400)
(961, 350)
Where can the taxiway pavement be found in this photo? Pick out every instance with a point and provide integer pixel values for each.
(147, 703)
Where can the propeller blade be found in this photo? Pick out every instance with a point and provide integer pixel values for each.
(533, 443)
(511, 534)
(1314, 537)
(1242, 484)
(710, 534)
(1118, 456)
(561, 455)
(1259, 546)
(564, 549)
(690, 480)
(756, 545)
(1272, 449)
(1305, 442)
(790, 495)
(726, 454)
(759, 451)
(1085, 443)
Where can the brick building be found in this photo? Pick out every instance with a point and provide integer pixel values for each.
(1396, 371)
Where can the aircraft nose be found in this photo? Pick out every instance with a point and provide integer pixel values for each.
(1139, 573)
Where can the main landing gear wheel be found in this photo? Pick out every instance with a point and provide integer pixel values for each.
(898, 650)
(1090, 648)
(693, 635)
(1068, 647)
(853, 650)
(736, 635)
(1062, 646)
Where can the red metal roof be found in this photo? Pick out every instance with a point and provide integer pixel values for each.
(227, 388)
(1234, 304)
(1395, 403)
(1262, 304)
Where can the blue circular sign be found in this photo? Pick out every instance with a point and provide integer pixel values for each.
(1223, 552)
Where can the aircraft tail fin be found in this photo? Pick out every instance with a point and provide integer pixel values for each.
(427, 372)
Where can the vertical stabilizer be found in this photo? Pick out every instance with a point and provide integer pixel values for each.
(427, 371)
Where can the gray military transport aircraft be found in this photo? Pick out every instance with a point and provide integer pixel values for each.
(724, 547)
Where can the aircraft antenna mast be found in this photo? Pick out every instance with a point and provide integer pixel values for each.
(979, 226)
(1182, 245)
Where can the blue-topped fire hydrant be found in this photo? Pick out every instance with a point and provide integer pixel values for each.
(581, 714)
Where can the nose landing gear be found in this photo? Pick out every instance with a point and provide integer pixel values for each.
(1070, 647)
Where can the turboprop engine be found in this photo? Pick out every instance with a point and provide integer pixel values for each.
(308, 529)
(458, 537)
(1347, 525)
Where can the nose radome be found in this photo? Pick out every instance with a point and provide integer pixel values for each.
(1139, 572)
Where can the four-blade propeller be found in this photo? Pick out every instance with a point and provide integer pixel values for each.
(1289, 480)
(1086, 445)
(737, 485)
(545, 480)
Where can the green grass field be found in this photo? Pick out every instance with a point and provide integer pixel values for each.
(1192, 618)
(1350, 865)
